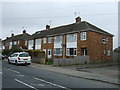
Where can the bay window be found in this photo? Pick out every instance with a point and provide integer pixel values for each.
(72, 37)
(58, 39)
(57, 51)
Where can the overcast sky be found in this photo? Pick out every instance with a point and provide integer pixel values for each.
(35, 15)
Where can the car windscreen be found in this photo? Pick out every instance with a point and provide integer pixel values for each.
(14, 55)
(24, 55)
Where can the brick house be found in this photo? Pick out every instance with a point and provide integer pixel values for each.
(78, 39)
(16, 40)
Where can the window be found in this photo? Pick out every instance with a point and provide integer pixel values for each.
(84, 51)
(57, 51)
(71, 51)
(24, 55)
(15, 42)
(104, 51)
(30, 44)
(38, 44)
(14, 55)
(108, 53)
(72, 37)
(49, 39)
(44, 40)
(18, 42)
(83, 35)
(10, 45)
(58, 39)
(25, 42)
(103, 40)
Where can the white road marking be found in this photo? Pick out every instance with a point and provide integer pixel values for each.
(25, 84)
(51, 83)
(32, 66)
(12, 70)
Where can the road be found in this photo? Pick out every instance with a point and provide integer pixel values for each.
(34, 78)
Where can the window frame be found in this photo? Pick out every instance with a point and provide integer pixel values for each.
(60, 50)
(58, 40)
(44, 40)
(74, 51)
(83, 36)
(72, 37)
(49, 39)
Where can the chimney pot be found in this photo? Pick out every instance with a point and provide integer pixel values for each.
(12, 34)
(24, 31)
(47, 27)
(78, 20)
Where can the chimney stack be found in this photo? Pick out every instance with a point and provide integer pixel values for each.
(24, 31)
(12, 34)
(47, 27)
(78, 20)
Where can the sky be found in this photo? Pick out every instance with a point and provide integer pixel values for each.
(34, 16)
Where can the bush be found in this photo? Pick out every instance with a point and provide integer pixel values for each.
(30, 52)
(15, 49)
(6, 52)
(37, 52)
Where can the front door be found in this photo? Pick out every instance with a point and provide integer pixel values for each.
(49, 53)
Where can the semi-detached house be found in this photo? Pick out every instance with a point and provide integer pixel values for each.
(78, 39)
(19, 40)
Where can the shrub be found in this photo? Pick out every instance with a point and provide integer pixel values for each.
(6, 52)
(15, 49)
(30, 52)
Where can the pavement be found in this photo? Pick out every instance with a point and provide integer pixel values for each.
(88, 71)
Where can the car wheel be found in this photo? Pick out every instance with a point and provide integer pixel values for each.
(16, 63)
(9, 61)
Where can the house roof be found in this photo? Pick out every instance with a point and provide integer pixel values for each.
(23, 36)
(75, 27)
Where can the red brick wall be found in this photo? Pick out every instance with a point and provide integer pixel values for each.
(96, 47)
(48, 46)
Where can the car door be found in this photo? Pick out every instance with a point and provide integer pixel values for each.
(11, 58)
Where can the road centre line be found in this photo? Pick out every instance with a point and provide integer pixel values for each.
(52, 83)
(26, 84)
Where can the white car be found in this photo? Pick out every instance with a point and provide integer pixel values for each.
(20, 58)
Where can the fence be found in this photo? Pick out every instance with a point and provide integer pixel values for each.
(71, 61)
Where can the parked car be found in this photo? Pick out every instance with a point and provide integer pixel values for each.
(1, 57)
(20, 58)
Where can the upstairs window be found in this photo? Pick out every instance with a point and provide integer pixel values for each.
(58, 39)
(49, 39)
(18, 42)
(72, 37)
(38, 42)
(83, 35)
(103, 40)
(15, 42)
(44, 40)
(25, 42)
